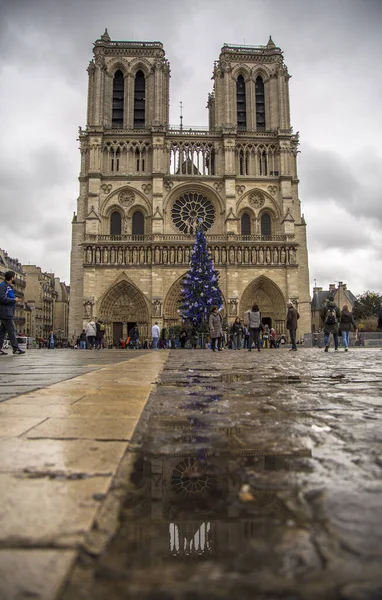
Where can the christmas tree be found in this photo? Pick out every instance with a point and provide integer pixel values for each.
(200, 289)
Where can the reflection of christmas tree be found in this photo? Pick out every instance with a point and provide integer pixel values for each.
(200, 289)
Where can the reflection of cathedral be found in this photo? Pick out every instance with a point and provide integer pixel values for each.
(187, 503)
(145, 186)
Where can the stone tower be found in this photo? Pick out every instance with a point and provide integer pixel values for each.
(144, 185)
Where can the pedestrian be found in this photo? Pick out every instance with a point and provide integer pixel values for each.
(346, 322)
(100, 332)
(215, 323)
(163, 338)
(330, 315)
(7, 310)
(52, 340)
(194, 338)
(134, 337)
(155, 332)
(380, 318)
(237, 334)
(291, 324)
(252, 319)
(246, 336)
(266, 336)
(272, 338)
(183, 338)
(82, 340)
(91, 332)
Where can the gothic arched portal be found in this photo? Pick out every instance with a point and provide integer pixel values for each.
(122, 307)
(270, 299)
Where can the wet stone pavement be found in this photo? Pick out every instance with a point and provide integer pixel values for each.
(255, 476)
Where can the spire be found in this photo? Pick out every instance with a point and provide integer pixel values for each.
(271, 43)
(105, 37)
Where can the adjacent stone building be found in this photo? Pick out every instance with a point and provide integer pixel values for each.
(12, 264)
(40, 295)
(145, 185)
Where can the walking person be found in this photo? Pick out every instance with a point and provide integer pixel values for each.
(183, 338)
(237, 334)
(100, 332)
(215, 323)
(134, 337)
(272, 338)
(246, 336)
(346, 322)
(82, 340)
(91, 333)
(194, 338)
(163, 339)
(7, 310)
(252, 319)
(331, 315)
(52, 340)
(291, 324)
(266, 336)
(155, 332)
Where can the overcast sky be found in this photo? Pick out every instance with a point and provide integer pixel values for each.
(333, 51)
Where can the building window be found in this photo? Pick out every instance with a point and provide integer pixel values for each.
(115, 162)
(263, 166)
(241, 105)
(118, 95)
(115, 223)
(138, 223)
(139, 101)
(266, 225)
(260, 104)
(246, 224)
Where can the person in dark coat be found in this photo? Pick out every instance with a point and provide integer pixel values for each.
(380, 318)
(346, 322)
(134, 337)
(7, 309)
(237, 334)
(330, 315)
(183, 337)
(215, 323)
(291, 324)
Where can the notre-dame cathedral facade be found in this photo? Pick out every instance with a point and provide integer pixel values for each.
(145, 185)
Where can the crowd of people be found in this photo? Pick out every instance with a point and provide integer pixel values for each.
(250, 333)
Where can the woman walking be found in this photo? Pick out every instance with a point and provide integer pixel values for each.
(346, 322)
(216, 329)
(254, 323)
(237, 334)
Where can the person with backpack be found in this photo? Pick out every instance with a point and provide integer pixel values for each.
(291, 324)
(252, 320)
(100, 332)
(330, 315)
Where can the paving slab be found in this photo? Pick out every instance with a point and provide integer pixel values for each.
(38, 575)
(54, 480)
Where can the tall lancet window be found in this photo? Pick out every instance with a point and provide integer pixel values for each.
(266, 225)
(246, 224)
(139, 101)
(260, 104)
(118, 94)
(240, 103)
(115, 223)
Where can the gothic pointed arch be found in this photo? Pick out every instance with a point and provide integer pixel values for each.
(123, 302)
(270, 299)
(172, 303)
(259, 199)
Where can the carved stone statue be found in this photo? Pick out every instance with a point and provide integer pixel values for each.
(254, 256)
(89, 255)
(283, 256)
(149, 256)
(239, 255)
(98, 256)
(292, 256)
(172, 256)
(156, 308)
(164, 254)
(232, 308)
(157, 255)
(105, 255)
(261, 256)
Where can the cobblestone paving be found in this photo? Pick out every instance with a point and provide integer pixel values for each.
(257, 476)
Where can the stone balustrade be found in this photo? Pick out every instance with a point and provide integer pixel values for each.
(135, 253)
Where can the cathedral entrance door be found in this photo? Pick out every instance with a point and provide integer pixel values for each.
(117, 331)
(267, 321)
(130, 325)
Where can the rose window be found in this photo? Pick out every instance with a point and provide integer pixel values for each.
(192, 477)
(190, 210)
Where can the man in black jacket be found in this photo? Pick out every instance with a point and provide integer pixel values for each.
(291, 324)
(7, 309)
